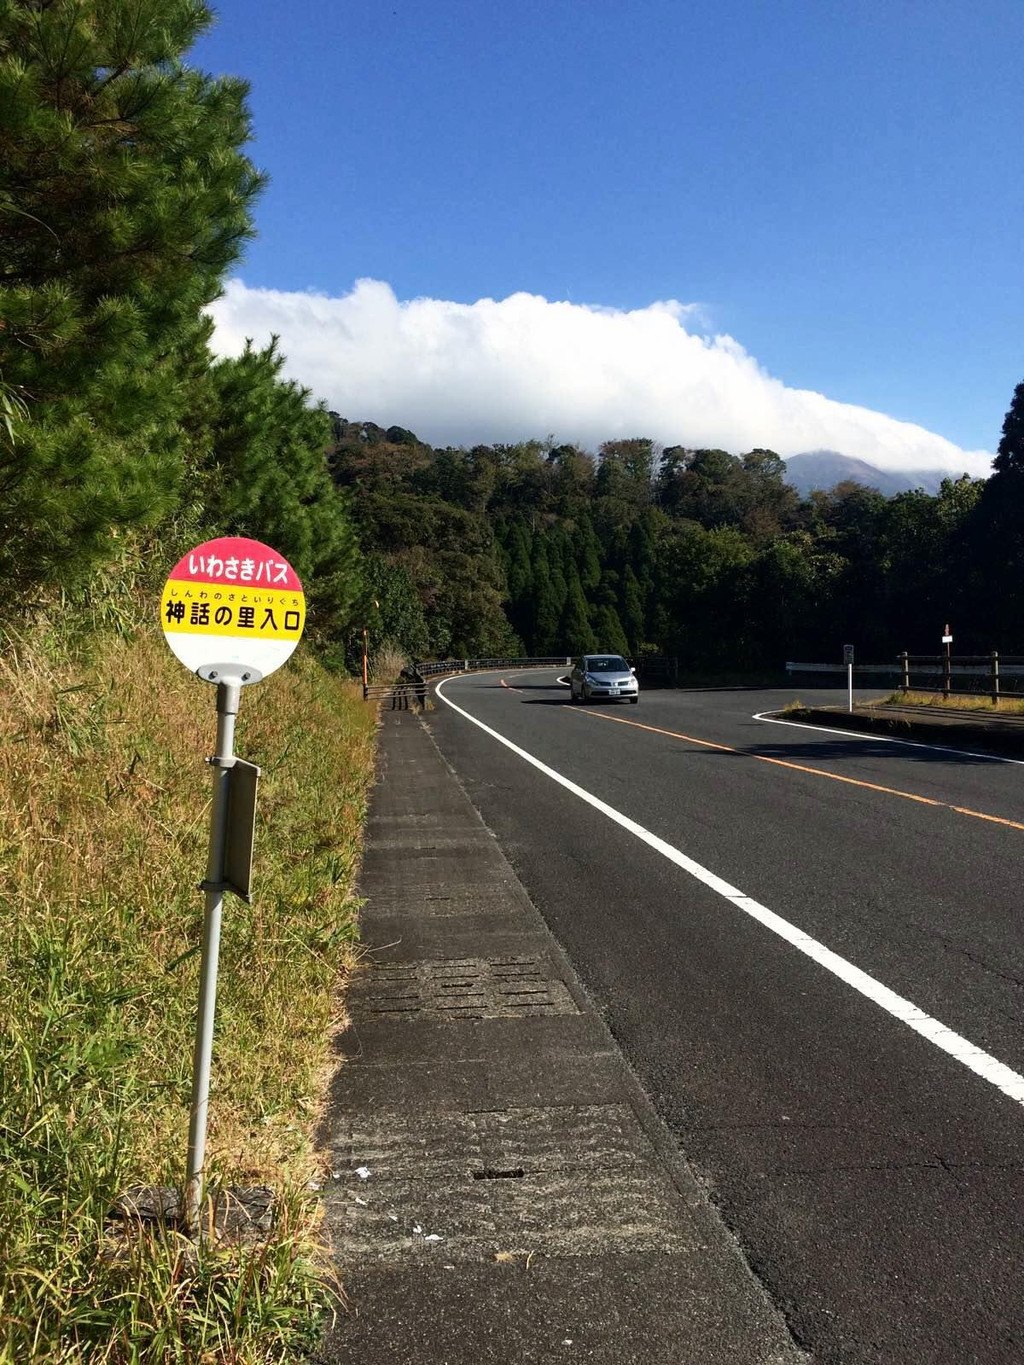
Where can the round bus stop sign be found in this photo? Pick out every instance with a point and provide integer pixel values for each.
(233, 607)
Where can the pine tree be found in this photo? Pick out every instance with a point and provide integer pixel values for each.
(632, 609)
(520, 575)
(124, 197)
(547, 605)
(390, 608)
(560, 564)
(575, 633)
(587, 550)
(608, 629)
(268, 478)
(1010, 455)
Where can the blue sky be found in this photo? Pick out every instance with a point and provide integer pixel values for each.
(838, 185)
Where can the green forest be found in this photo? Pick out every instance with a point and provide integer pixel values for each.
(126, 199)
(712, 558)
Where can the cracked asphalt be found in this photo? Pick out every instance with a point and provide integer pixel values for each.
(873, 1182)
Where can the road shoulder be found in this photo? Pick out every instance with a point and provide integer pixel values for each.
(501, 1189)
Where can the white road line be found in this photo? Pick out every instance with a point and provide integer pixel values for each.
(956, 1046)
(866, 737)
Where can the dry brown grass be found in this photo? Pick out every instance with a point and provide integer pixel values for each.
(388, 662)
(1009, 706)
(104, 800)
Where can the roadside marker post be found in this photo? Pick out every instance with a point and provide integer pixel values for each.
(947, 670)
(848, 661)
(232, 612)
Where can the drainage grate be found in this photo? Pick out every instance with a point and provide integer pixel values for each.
(556, 1181)
(463, 988)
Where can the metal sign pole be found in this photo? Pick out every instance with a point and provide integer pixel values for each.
(848, 661)
(947, 671)
(228, 692)
(232, 638)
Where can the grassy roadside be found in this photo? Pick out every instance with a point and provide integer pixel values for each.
(103, 822)
(1006, 706)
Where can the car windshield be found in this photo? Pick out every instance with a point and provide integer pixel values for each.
(606, 663)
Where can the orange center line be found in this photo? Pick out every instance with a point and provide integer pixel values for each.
(980, 815)
(802, 768)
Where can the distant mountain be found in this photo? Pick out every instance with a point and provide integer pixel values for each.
(826, 468)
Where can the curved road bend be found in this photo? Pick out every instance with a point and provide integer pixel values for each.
(871, 1165)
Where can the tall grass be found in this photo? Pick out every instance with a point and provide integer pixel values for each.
(104, 802)
(387, 662)
(1006, 705)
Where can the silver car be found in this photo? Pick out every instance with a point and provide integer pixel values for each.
(603, 675)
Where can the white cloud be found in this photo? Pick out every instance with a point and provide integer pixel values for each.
(509, 369)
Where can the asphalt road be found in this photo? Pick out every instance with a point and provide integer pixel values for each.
(873, 1179)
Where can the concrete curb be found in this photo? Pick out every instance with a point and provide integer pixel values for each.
(962, 729)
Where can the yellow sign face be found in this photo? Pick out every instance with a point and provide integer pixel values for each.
(191, 608)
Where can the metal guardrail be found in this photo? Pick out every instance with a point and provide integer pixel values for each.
(971, 675)
(647, 665)
(401, 695)
(406, 690)
(433, 667)
(654, 668)
(842, 668)
(976, 675)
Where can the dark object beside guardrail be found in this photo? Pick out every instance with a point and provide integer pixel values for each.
(409, 690)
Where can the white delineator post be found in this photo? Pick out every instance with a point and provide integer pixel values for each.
(228, 693)
(849, 687)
